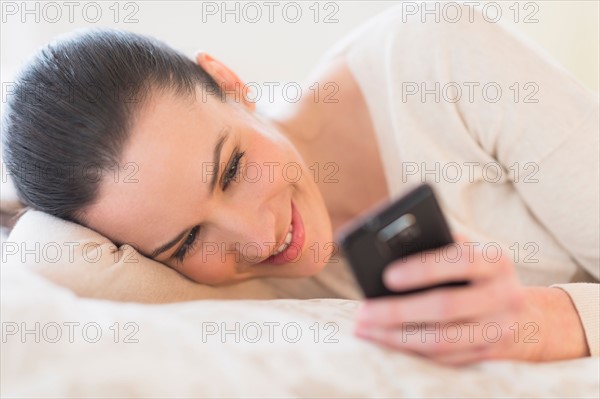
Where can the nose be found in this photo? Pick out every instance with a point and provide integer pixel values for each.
(248, 230)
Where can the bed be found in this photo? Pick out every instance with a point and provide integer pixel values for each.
(64, 335)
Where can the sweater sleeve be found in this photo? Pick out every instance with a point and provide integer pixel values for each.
(519, 107)
(586, 297)
(551, 129)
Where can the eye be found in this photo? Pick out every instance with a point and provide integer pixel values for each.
(188, 244)
(232, 170)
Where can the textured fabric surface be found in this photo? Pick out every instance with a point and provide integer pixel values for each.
(179, 353)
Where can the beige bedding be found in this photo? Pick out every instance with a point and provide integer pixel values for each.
(91, 266)
(175, 355)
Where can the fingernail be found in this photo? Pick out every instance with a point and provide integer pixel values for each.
(393, 277)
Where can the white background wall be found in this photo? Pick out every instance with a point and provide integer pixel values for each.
(281, 50)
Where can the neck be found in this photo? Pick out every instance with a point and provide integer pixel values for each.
(302, 123)
(336, 136)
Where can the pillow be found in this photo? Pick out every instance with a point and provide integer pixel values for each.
(91, 266)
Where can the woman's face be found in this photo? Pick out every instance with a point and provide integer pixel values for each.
(213, 191)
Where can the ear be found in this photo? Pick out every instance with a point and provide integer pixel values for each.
(231, 85)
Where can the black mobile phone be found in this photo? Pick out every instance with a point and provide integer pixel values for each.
(408, 225)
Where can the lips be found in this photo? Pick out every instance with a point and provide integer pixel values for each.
(289, 248)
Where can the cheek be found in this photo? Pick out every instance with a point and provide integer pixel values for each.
(210, 272)
(276, 150)
(269, 163)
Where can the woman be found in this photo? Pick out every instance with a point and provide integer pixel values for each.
(187, 171)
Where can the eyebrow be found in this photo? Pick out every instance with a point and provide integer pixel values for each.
(216, 157)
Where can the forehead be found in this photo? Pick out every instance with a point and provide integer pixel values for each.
(163, 169)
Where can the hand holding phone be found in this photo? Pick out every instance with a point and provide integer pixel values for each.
(408, 225)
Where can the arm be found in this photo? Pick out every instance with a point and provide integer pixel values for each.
(559, 134)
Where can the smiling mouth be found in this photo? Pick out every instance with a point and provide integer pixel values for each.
(291, 247)
(286, 241)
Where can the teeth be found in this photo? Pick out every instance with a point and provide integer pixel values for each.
(288, 240)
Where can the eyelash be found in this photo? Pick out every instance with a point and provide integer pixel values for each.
(188, 244)
(232, 170)
(230, 173)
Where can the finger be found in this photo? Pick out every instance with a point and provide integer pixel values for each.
(460, 238)
(454, 262)
(475, 301)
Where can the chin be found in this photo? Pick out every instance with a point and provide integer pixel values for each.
(305, 268)
(316, 254)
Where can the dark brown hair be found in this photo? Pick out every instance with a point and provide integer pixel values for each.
(73, 107)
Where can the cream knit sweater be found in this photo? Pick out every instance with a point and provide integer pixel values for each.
(514, 160)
